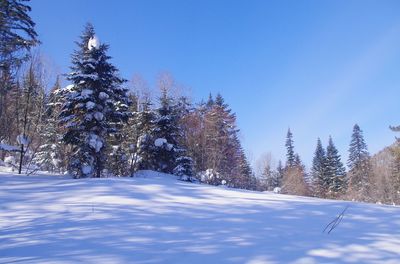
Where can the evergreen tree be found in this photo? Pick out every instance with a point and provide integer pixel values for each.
(222, 144)
(290, 156)
(395, 179)
(123, 144)
(145, 123)
(48, 157)
(318, 171)
(270, 178)
(335, 171)
(183, 163)
(95, 105)
(246, 173)
(359, 165)
(166, 134)
(17, 37)
(280, 170)
(184, 167)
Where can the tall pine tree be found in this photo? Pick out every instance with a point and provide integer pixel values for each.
(318, 171)
(17, 37)
(290, 156)
(359, 165)
(94, 107)
(335, 171)
(166, 133)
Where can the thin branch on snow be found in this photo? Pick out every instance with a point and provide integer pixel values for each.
(335, 222)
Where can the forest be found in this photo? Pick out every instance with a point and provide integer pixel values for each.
(101, 125)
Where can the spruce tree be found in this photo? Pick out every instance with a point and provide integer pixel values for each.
(395, 179)
(290, 156)
(335, 171)
(318, 170)
(280, 171)
(95, 105)
(145, 157)
(48, 156)
(359, 165)
(184, 166)
(166, 134)
(17, 37)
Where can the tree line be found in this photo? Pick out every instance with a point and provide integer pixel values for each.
(369, 178)
(101, 125)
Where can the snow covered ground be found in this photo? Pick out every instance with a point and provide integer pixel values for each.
(157, 219)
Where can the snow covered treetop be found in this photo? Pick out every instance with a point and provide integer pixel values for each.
(93, 42)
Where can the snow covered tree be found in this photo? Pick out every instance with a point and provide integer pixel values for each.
(245, 178)
(95, 105)
(49, 154)
(318, 171)
(269, 178)
(290, 157)
(166, 131)
(221, 142)
(359, 165)
(144, 158)
(335, 171)
(280, 170)
(184, 166)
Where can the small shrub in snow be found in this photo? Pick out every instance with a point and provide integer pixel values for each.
(277, 190)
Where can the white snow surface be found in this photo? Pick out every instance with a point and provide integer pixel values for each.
(7, 147)
(93, 43)
(86, 169)
(153, 218)
(95, 142)
(90, 105)
(103, 96)
(86, 93)
(159, 142)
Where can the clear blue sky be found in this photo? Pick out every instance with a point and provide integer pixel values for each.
(317, 67)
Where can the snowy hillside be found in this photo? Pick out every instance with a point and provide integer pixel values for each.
(157, 219)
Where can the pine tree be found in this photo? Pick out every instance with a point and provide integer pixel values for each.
(269, 178)
(335, 171)
(184, 167)
(280, 172)
(395, 179)
(17, 37)
(144, 158)
(123, 144)
(290, 157)
(166, 134)
(246, 174)
(222, 144)
(318, 171)
(48, 157)
(359, 165)
(95, 105)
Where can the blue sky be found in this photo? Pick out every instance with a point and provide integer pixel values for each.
(317, 67)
